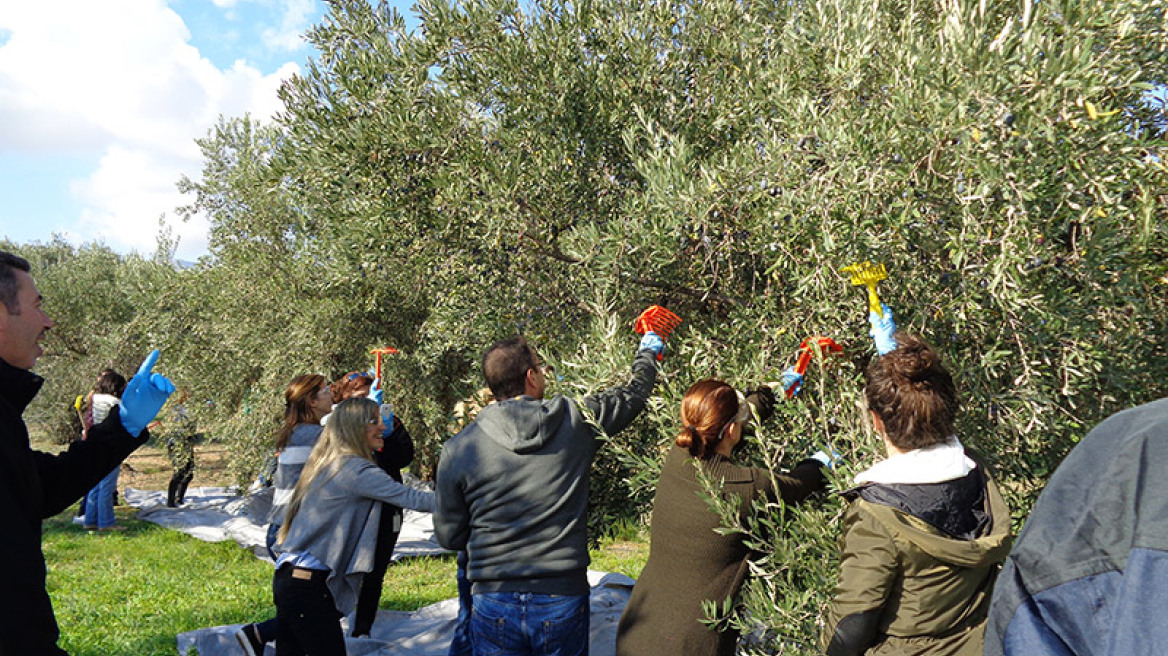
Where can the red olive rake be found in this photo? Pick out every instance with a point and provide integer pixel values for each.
(377, 353)
(807, 350)
(657, 319)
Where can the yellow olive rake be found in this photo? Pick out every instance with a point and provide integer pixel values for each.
(868, 274)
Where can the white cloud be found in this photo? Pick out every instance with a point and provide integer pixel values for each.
(297, 15)
(119, 81)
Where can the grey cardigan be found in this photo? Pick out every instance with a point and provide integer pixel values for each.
(338, 519)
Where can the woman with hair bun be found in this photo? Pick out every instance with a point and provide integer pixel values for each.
(689, 561)
(927, 529)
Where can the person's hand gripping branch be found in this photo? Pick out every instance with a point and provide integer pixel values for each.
(144, 396)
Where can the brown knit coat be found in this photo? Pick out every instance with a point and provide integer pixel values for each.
(690, 562)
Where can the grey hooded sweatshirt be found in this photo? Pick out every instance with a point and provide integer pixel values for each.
(512, 488)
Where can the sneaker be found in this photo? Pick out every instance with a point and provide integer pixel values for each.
(249, 639)
(79, 519)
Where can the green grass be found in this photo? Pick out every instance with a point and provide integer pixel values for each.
(132, 593)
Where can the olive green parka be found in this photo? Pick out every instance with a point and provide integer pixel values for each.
(906, 588)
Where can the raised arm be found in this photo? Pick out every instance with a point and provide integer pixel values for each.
(615, 408)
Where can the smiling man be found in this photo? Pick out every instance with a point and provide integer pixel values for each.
(36, 485)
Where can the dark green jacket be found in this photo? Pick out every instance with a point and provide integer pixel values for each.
(690, 562)
(908, 588)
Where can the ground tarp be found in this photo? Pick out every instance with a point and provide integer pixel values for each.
(428, 631)
(216, 514)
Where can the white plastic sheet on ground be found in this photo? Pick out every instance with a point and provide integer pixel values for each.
(216, 514)
(428, 631)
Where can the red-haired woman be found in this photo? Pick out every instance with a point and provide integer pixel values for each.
(689, 561)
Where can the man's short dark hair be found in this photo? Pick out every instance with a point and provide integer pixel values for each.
(505, 366)
(9, 284)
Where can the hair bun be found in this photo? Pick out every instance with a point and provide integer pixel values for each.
(686, 438)
(913, 363)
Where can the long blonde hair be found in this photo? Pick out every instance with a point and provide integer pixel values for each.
(343, 437)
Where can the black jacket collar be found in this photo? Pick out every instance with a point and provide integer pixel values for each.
(18, 386)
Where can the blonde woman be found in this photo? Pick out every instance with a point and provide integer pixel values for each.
(330, 530)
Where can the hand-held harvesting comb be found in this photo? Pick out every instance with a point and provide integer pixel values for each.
(378, 352)
(807, 351)
(657, 319)
(868, 274)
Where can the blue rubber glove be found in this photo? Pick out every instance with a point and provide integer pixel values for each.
(375, 392)
(651, 341)
(792, 381)
(387, 418)
(144, 396)
(882, 329)
(829, 461)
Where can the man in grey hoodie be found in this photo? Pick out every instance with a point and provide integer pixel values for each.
(512, 491)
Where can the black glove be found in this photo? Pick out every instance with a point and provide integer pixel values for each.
(762, 400)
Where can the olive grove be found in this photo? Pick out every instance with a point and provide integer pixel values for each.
(552, 168)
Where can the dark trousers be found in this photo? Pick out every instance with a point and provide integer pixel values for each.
(177, 490)
(306, 614)
(371, 584)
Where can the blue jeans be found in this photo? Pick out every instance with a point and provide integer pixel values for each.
(99, 503)
(460, 645)
(526, 624)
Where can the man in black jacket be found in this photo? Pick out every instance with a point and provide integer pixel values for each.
(35, 485)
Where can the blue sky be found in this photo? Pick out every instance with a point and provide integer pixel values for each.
(100, 104)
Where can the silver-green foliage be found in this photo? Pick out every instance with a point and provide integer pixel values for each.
(554, 167)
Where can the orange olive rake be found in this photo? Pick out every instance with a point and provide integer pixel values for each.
(658, 320)
(377, 353)
(807, 350)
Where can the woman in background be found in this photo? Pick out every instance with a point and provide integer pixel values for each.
(307, 399)
(99, 503)
(689, 561)
(926, 530)
(330, 531)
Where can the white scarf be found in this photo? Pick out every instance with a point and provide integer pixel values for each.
(934, 464)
